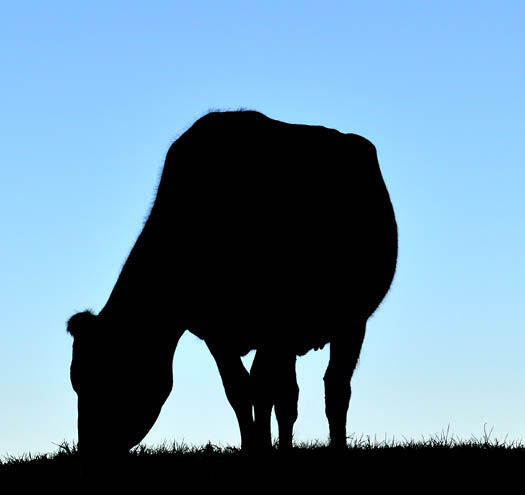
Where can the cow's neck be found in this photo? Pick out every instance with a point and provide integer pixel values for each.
(139, 293)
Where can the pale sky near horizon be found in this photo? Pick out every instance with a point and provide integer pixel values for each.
(93, 95)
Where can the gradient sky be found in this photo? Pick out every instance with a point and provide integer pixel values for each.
(93, 94)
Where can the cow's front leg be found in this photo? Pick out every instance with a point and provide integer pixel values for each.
(236, 381)
(344, 354)
(262, 393)
(274, 384)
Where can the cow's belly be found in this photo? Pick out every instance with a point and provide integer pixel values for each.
(273, 312)
(297, 294)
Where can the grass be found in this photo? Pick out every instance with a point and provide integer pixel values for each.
(440, 461)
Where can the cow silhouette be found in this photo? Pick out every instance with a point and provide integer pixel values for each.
(263, 235)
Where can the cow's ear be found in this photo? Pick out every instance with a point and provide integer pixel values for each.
(78, 323)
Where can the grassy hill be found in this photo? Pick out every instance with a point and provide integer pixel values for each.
(441, 463)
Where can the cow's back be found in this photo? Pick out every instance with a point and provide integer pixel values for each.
(276, 232)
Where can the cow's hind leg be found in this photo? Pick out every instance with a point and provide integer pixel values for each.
(344, 354)
(236, 381)
(274, 384)
(286, 399)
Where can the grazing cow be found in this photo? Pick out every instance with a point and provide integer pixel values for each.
(263, 235)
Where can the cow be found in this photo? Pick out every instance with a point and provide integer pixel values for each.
(264, 235)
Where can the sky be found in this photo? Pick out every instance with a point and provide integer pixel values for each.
(93, 94)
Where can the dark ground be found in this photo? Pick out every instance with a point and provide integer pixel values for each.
(454, 468)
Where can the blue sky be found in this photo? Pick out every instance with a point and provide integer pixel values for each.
(92, 97)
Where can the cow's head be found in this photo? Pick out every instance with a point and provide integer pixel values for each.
(121, 379)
